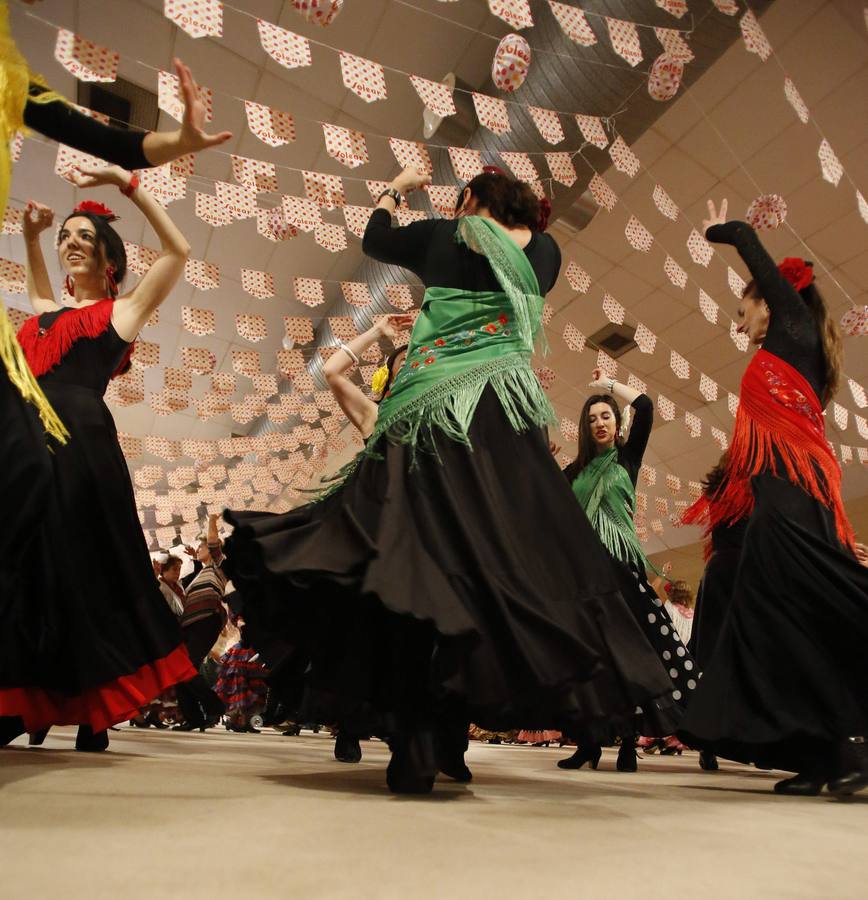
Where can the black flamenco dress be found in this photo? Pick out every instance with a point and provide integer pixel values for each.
(462, 580)
(787, 682)
(87, 638)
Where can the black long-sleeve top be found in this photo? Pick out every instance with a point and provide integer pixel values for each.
(631, 453)
(428, 249)
(792, 333)
(66, 125)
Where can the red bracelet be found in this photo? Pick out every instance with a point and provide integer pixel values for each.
(134, 183)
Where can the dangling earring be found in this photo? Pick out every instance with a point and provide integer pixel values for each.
(110, 279)
(70, 286)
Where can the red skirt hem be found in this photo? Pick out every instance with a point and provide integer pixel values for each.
(101, 706)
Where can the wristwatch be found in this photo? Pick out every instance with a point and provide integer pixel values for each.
(391, 192)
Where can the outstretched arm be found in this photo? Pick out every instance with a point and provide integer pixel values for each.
(36, 219)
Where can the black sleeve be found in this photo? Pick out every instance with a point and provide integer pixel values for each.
(632, 453)
(187, 579)
(62, 123)
(556, 263)
(405, 246)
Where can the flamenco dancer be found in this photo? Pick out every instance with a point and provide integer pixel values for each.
(88, 645)
(440, 582)
(786, 687)
(603, 478)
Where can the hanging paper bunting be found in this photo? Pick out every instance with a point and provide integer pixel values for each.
(201, 274)
(146, 354)
(246, 362)
(435, 95)
(511, 63)
(736, 282)
(254, 173)
(613, 310)
(795, 100)
(701, 252)
(209, 209)
(365, 78)
(661, 504)
(516, 13)
(677, 8)
(399, 296)
(593, 131)
(607, 364)
(161, 184)
(637, 384)
(298, 328)
(290, 50)
(755, 40)
(169, 96)
(12, 221)
(546, 376)
(411, 153)
(625, 40)
(356, 293)
(569, 429)
(199, 360)
(693, 424)
(638, 235)
(573, 338)
(520, 165)
(466, 162)
(840, 415)
(732, 403)
(846, 454)
(861, 425)
(664, 78)
(199, 18)
(272, 224)
(290, 362)
(649, 475)
(308, 291)
(862, 453)
(302, 212)
(574, 24)
(331, 237)
(492, 113)
(13, 277)
(665, 203)
(829, 163)
(356, 218)
(139, 258)
(645, 339)
(562, 168)
(444, 198)
(707, 387)
(346, 145)
(742, 341)
(602, 193)
(679, 365)
(343, 328)
(708, 306)
(84, 60)
(376, 188)
(624, 158)
(767, 211)
(68, 159)
(128, 389)
(131, 447)
(674, 45)
(862, 203)
(198, 321)
(854, 322)
(727, 7)
(319, 12)
(271, 126)
(548, 312)
(257, 284)
(252, 328)
(578, 278)
(177, 379)
(153, 319)
(548, 124)
(720, 436)
(326, 191)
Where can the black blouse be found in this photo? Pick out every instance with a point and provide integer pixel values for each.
(428, 249)
(792, 334)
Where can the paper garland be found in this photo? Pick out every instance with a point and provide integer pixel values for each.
(85, 60)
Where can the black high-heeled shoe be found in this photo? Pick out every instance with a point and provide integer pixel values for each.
(292, 731)
(153, 719)
(801, 785)
(190, 726)
(89, 741)
(851, 768)
(591, 754)
(627, 760)
(708, 761)
(412, 767)
(347, 748)
(37, 738)
(11, 727)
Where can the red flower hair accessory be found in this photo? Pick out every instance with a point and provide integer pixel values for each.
(96, 209)
(494, 170)
(798, 272)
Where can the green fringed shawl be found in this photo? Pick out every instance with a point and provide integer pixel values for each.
(608, 498)
(462, 342)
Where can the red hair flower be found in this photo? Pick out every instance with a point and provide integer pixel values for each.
(96, 209)
(798, 272)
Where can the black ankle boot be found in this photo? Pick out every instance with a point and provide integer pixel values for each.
(627, 756)
(11, 727)
(412, 768)
(590, 754)
(851, 769)
(450, 746)
(708, 761)
(37, 738)
(347, 748)
(801, 785)
(88, 741)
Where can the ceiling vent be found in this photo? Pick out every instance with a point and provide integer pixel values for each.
(616, 340)
(126, 104)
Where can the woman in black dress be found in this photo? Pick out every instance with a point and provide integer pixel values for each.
(451, 577)
(787, 686)
(88, 645)
(603, 479)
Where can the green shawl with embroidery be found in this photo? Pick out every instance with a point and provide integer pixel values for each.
(608, 498)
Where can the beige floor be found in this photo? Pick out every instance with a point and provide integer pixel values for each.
(244, 816)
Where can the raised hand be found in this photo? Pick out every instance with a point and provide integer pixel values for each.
(715, 216)
(90, 178)
(392, 326)
(599, 380)
(193, 135)
(37, 217)
(411, 179)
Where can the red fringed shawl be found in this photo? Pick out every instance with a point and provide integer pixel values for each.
(779, 420)
(45, 348)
